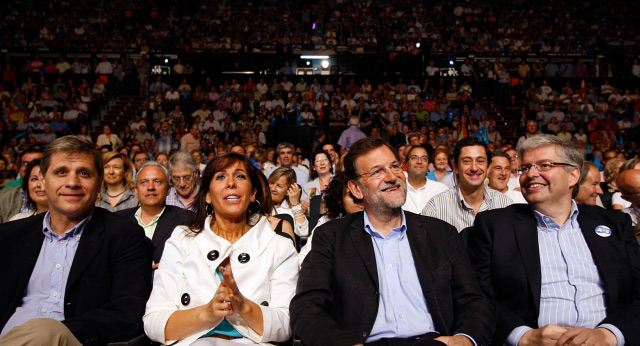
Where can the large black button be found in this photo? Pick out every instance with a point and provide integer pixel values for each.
(243, 257)
(213, 255)
(186, 299)
(265, 303)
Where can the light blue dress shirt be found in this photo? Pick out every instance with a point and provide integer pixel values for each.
(571, 293)
(45, 293)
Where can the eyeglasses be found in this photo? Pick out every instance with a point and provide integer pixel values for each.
(141, 159)
(321, 160)
(541, 166)
(416, 157)
(377, 173)
(186, 178)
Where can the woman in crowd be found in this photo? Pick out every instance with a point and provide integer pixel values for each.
(33, 191)
(269, 163)
(117, 192)
(320, 175)
(440, 161)
(108, 138)
(227, 278)
(84, 133)
(609, 187)
(285, 193)
(162, 159)
(338, 202)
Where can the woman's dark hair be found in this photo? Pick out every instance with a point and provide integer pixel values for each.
(332, 196)
(215, 166)
(31, 204)
(313, 174)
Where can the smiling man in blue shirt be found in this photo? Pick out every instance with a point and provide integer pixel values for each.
(385, 276)
(559, 273)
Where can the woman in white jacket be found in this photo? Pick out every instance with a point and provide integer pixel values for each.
(228, 278)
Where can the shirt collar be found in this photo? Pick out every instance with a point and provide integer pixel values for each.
(138, 216)
(76, 231)
(487, 196)
(398, 232)
(547, 223)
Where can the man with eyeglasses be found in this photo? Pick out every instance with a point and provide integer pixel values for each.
(460, 205)
(419, 189)
(184, 177)
(385, 276)
(12, 198)
(559, 273)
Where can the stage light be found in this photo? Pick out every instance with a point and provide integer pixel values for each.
(451, 62)
(166, 61)
(308, 63)
(325, 63)
(417, 44)
(314, 57)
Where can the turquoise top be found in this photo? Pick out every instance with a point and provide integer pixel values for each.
(224, 328)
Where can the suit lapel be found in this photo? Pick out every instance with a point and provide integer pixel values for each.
(163, 227)
(364, 246)
(88, 247)
(421, 258)
(598, 250)
(527, 241)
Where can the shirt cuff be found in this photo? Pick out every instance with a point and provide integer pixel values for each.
(615, 332)
(515, 335)
(468, 336)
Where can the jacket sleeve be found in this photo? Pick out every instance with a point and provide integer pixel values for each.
(130, 282)
(480, 248)
(626, 314)
(311, 320)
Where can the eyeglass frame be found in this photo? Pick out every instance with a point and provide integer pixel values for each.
(187, 178)
(536, 165)
(382, 171)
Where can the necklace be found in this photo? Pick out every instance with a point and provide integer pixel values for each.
(116, 195)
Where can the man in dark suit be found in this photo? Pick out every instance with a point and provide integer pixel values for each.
(154, 215)
(76, 274)
(384, 276)
(559, 273)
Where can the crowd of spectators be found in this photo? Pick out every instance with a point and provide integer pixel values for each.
(358, 26)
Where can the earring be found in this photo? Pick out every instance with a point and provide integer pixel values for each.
(257, 211)
(208, 208)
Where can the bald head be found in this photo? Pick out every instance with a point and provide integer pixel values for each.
(629, 185)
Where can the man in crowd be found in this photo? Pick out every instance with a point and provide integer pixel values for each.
(191, 140)
(629, 184)
(419, 189)
(459, 206)
(285, 153)
(333, 154)
(184, 174)
(75, 275)
(589, 191)
(386, 277)
(156, 218)
(351, 135)
(499, 174)
(559, 273)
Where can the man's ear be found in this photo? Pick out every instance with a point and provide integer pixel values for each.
(355, 189)
(574, 177)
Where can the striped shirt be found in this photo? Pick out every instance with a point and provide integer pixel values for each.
(450, 206)
(571, 292)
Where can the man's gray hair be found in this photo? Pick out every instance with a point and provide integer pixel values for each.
(182, 159)
(155, 164)
(567, 150)
(285, 145)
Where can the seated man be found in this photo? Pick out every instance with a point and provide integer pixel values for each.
(77, 272)
(154, 215)
(386, 277)
(559, 273)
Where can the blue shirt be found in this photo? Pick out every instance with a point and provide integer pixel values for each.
(45, 293)
(571, 292)
(402, 309)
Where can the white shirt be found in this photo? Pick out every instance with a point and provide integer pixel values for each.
(418, 198)
(188, 267)
(516, 196)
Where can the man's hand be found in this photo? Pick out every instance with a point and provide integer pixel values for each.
(458, 340)
(587, 336)
(547, 335)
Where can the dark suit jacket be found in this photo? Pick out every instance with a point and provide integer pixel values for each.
(171, 217)
(503, 248)
(337, 295)
(109, 280)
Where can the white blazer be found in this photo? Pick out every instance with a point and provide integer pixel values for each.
(264, 265)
